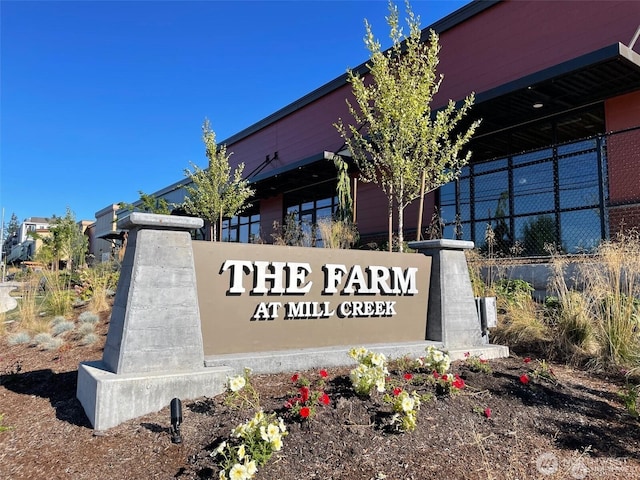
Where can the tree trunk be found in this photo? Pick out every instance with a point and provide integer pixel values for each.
(390, 227)
(421, 209)
(355, 199)
(401, 219)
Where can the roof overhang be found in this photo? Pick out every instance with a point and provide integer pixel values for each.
(586, 80)
(314, 170)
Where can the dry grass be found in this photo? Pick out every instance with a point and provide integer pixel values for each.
(600, 317)
(337, 234)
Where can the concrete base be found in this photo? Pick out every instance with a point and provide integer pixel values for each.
(7, 302)
(308, 359)
(109, 399)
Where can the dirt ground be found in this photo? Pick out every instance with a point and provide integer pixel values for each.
(572, 428)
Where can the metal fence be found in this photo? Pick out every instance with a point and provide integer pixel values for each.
(565, 197)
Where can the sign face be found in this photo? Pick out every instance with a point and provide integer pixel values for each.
(256, 298)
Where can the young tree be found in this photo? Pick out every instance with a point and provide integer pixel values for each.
(148, 204)
(396, 140)
(214, 193)
(65, 241)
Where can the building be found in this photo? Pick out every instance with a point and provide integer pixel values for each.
(25, 242)
(105, 240)
(555, 160)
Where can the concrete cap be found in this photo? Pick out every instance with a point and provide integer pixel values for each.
(153, 220)
(442, 244)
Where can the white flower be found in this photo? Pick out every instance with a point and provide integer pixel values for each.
(237, 383)
(380, 384)
(241, 452)
(378, 359)
(276, 444)
(238, 472)
(408, 403)
(220, 448)
(251, 468)
(283, 427)
(273, 431)
(223, 475)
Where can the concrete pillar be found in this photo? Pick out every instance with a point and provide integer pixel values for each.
(452, 316)
(153, 351)
(155, 322)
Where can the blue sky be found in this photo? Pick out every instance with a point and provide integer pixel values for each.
(102, 99)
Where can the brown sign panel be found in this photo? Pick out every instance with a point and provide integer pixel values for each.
(256, 298)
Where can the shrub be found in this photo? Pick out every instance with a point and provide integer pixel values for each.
(337, 233)
(252, 444)
(19, 338)
(88, 317)
(602, 318)
(41, 339)
(370, 373)
(58, 296)
(86, 328)
(89, 339)
(61, 327)
(52, 344)
(58, 319)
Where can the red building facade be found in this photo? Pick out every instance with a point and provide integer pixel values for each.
(556, 158)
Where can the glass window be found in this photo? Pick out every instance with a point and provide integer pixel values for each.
(241, 228)
(580, 230)
(533, 156)
(464, 194)
(533, 189)
(491, 195)
(578, 178)
(489, 166)
(588, 144)
(309, 213)
(534, 232)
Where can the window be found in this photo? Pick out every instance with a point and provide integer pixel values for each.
(243, 228)
(309, 213)
(548, 196)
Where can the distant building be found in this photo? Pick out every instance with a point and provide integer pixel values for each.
(105, 239)
(556, 159)
(22, 246)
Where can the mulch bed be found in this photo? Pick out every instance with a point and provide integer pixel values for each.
(576, 427)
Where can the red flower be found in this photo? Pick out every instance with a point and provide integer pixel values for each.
(305, 412)
(295, 377)
(408, 376)
(291, 402)
(445, 377)
(487, 412)
(482, 360)
(323, 373)
(527, 359)
(467, 354)
(397, 391)
(324, 399)
(304, 393)
(458, 382)
(524, 378)
(436, 375)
